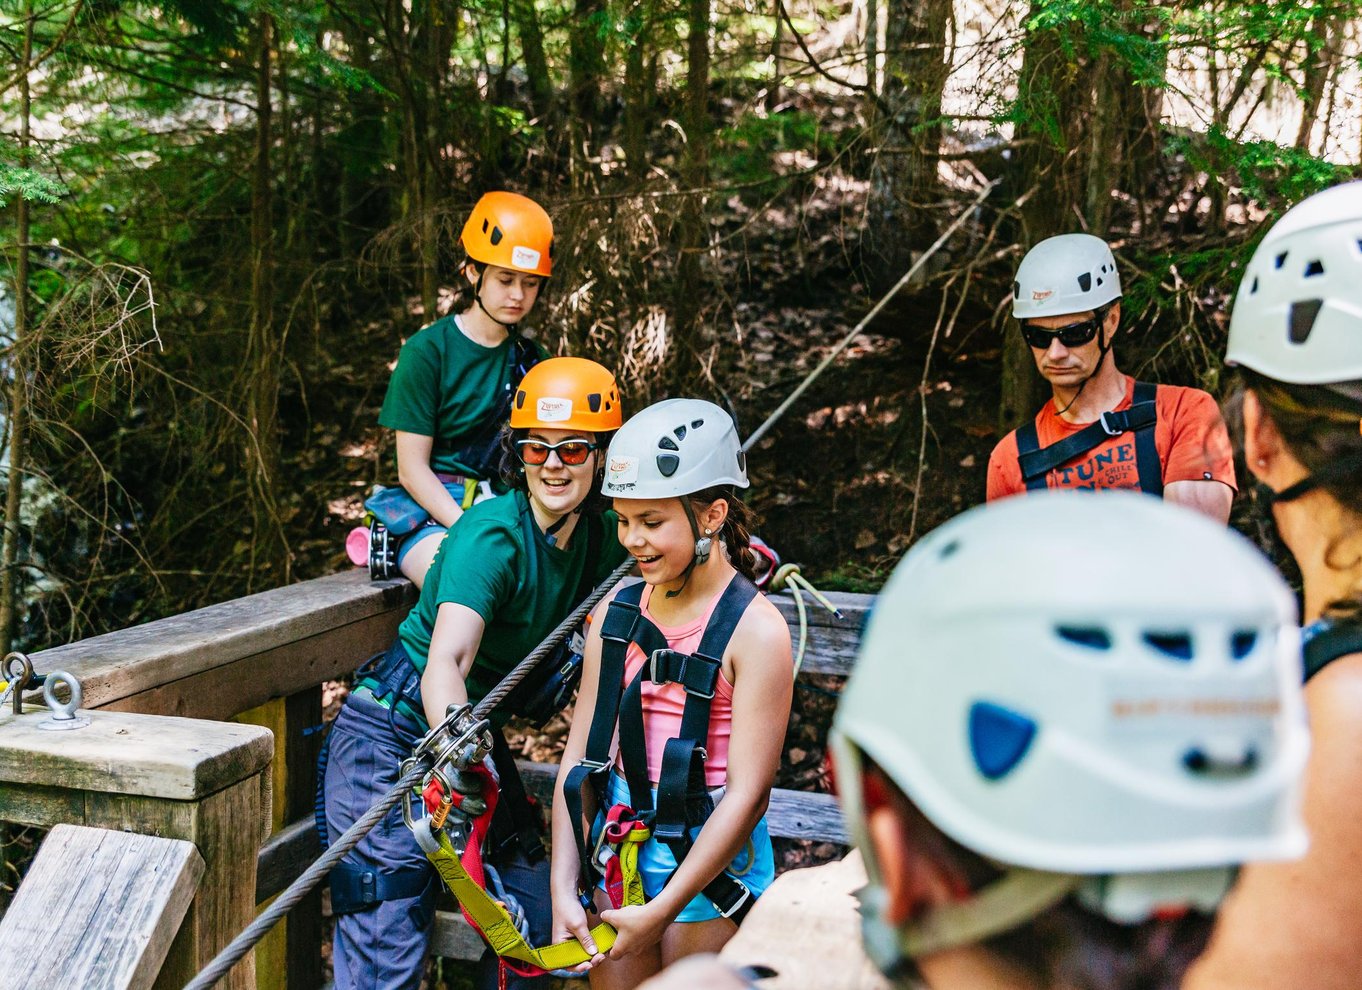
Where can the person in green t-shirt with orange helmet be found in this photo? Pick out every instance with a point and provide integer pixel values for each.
(450, 392)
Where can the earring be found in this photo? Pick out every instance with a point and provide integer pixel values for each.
(1262, 462)
(709, 532)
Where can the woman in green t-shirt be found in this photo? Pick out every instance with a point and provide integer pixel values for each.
(450, 392)
(511, 570)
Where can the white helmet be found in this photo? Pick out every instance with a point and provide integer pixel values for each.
(674, 447)
(1298, 315)
(1071, 273)
(1062, 718)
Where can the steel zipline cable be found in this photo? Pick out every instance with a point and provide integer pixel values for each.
(236, 950)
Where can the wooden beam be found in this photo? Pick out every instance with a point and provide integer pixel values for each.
(99, 910)
(175, 758)
(141, 658)
(832, 642)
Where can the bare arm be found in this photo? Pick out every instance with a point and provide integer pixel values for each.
(453, 648)
(1212, 498)
(763, 684)
(415, 474)
(1299, 924)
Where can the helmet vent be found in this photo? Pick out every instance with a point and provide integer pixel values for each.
(484, 225)
(1253, 289)
(1315, 267)
(1280, 260)
(1242, 643)
(695, 424)
(948, 550)
(667, 464)
(520, 399)
(1085, 282)
(593, 402)
(998, 738)
(496, 236)
(1302, 319)
(742, 460)
(1089, 636)
(680, 432)
(1016, 286)
(1175, 646)
(667, 443)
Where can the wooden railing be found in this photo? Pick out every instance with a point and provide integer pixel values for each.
(262, 659)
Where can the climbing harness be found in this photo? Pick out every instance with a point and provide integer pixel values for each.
(453, 844)
(683, 800)
(1140, 418)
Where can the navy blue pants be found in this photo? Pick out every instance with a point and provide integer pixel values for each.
(384, 947)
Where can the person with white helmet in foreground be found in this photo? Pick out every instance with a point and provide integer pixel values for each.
(1102, 429)
(1054, 789)
(664, 835)
(1296, 337)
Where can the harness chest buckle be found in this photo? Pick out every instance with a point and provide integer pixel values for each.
(737, 906)
(1108, 426)
(667, 666)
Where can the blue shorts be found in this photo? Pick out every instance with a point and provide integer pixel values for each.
(754, 865)
(430, 527)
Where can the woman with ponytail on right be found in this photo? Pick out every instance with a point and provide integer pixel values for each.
(1296, 335)
(692, 670)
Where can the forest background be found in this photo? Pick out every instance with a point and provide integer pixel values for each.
(223, 217)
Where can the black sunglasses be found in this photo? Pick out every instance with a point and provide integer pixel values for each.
(570, 452)
(1074, 335)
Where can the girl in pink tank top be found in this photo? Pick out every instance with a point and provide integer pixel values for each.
(673, 471)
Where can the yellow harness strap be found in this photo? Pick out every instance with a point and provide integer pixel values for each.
(631, 882)
(496, 924)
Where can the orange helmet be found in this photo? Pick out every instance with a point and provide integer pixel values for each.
(567, 393)
(511, 231)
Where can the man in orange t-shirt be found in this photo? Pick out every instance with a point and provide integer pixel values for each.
(1101, 428)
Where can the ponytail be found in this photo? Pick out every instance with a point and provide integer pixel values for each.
(736, 533)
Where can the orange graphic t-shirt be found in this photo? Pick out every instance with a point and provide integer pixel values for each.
(1189, 435)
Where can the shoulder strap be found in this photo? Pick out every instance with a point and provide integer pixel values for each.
(1028, 442)
(1140, 418)
(1147, 464)
(1327, 641)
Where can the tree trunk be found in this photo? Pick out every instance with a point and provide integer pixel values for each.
(638, 92)
(908, 131)
(1318, 67)
(532, 50)
(269, 545)
(691, 227)
(17, 392)
(586, 64)
(1048, 180)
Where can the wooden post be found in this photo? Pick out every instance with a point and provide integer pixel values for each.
(177, 778)
(100, 908)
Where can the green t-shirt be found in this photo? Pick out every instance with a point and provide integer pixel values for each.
(446, 386)
(497, 562)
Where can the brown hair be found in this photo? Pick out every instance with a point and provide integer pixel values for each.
(1321, 426)
(736, 533)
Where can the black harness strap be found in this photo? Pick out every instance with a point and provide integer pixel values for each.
(683, 800)
(1327, 641)
(1141, 417)
(623, 624)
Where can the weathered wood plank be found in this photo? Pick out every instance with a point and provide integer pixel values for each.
(284, 857)
(832, 642)
(122, 753)
(454, 938)
(129, 661)
(100, 908)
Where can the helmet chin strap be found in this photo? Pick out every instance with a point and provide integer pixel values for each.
(704, 546)
(1020, 895)
(1344, 467)
(1103, 348)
